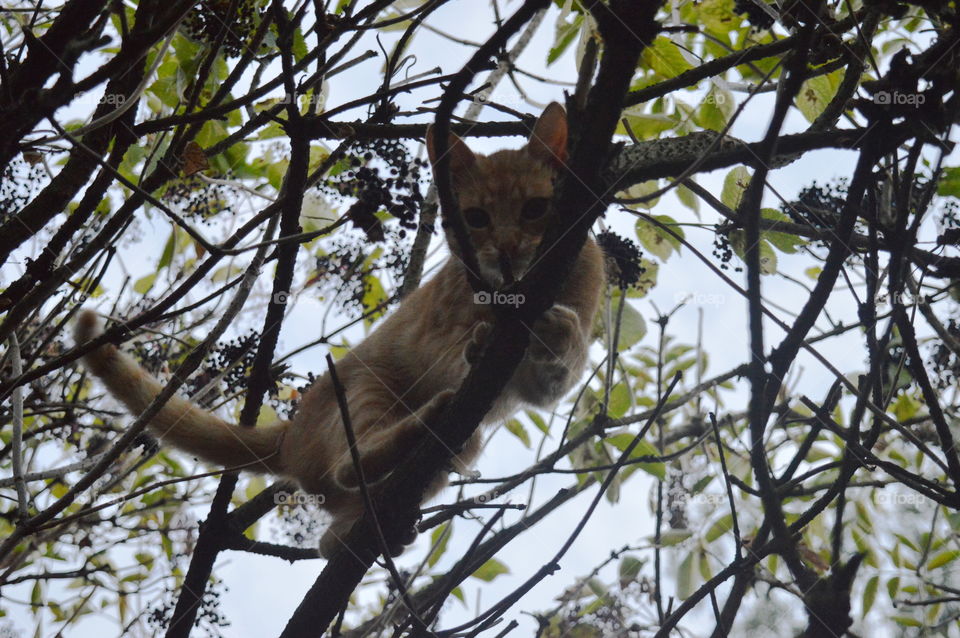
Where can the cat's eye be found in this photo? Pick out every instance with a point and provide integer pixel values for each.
(476, 217)
(534, 208)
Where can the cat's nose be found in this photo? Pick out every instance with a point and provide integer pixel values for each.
(506, 269)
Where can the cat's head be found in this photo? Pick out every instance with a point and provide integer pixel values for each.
(505, 197)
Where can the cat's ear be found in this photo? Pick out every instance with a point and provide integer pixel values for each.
(548, 142)
(461, 156)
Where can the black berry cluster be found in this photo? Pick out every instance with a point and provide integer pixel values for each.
(950, 223)
(210, 18)
(199, 200)
(379, 182)
(156, 355)
(818, 206)
(290, 409)
(722, 249)
(299, 525)
(380, 175)
(626, 257)
(236, 357)
(210, 617)
(344, 273)
(944, 361)
(18, 184)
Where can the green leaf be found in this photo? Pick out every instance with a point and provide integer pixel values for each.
(657, 240)
(715, 110)
(597, 587)
(255, 485)
(299, 45)
(619, 401)
(145, 283)
(565, 33)
(645, 126)
(267, 416)
(538, 421)
(664, 58)
(816, 93)
(439, 539)
(716, 16)
(734, 184)
(374, 296)
(943, 558)
(225, 272)
(906, 621)
(688, 199)
(949, 184)
(641, 190)
(905, 407)
(623, 440)
(719, 528)
(869, 594)
(633, 328)
(686, 577)
(490, 570)
(701, 484)
(893, 586)
(784, 242)
(704, 563)
(674, 537)
(270, 131)
(629, 570)
(516, 428)
(768, 258)
(168, 251)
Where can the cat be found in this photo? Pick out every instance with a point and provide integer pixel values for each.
(406, 370)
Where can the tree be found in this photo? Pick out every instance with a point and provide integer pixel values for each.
(832, 502)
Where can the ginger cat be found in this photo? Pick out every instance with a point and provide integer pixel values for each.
(408, 368)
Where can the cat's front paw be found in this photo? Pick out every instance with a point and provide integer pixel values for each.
(478, 339)
(555, 335)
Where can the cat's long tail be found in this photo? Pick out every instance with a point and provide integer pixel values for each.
(180, 422)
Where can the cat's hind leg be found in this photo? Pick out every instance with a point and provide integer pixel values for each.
(336, 536)
(382, 451)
